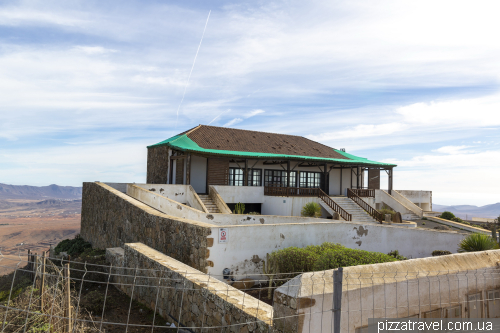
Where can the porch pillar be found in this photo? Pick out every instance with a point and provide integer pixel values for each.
(288, 173)
(341, 168)
(325, 179)
(390, 181)
(358, 177)
(188, 169)
(245, 175)
(351, 178)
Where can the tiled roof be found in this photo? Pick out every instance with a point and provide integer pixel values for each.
(222, 141)
(223, 138)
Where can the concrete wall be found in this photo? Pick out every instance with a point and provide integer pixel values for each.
(199, 173)
(382, 197)
(408, 203)
(247, 245)
(244, 194)
(422, 199)
(397, 290)
(111, 219)
(186, 295)
(174, 208)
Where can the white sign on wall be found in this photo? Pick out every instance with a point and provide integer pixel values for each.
(223, 235)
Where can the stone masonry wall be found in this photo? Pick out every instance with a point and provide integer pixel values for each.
(157, 165)
(186, 296)
(111, 219)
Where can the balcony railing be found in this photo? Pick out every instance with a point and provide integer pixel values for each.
(364, 193)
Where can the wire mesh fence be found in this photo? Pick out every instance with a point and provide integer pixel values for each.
(45, 294)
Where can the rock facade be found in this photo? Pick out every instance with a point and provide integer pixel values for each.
(111, 218)
(157, 170)
(186, 296)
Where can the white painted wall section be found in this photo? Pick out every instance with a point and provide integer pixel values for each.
(247, 245)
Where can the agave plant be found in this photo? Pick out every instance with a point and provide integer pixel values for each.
(477, 242)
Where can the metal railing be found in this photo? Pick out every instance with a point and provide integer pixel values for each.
(308, 192)
(361, 203)
(333, 205)
(364, 193)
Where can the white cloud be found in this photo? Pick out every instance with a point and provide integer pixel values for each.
(254, 113)
(232, 122)
(452, 150)
(93, 49)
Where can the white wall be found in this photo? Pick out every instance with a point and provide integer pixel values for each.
(422, 199)
(287, 206)
(175, 192)
(244, 194)
(199, 173)
(247, 245)
(382, 197)
(334, 182)
(174, 208)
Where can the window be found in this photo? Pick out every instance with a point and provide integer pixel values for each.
(255, 177)
(310, 179)
(279, 177)
(235, 177)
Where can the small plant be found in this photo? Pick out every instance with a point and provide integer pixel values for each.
(72, 246)
(387, 210)
(253, 213)
(423, 223)
(270, 268)
(424, 218)
(436, 253)
(239, 208)
(477, 242)
(395, 254)
(447, 215)
(311, 209)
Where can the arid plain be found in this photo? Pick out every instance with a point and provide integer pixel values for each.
(34, 224)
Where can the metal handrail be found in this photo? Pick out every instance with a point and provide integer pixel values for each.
(361, 203)
(333, 205)
(308, 192)
(367, 193)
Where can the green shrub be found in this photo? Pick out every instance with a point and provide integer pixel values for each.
(294, 259)
(395, 254)
(477, 242)
(253, 213)
(447, 215)
(311, 209)
(424, 218)
(440, 253)
(349, 257)
(72, 246)
(386, 210)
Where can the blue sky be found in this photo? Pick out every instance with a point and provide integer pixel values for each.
(85, 86)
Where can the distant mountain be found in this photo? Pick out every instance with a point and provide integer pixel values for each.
(39, 192)
(469, 211)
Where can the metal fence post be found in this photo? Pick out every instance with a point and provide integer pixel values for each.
(337, 298)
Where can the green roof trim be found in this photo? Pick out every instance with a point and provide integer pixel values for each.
(184, 143)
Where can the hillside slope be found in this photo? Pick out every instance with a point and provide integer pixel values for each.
(39, 192)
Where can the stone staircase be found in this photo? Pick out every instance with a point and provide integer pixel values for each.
(209, 203)
(358, 213)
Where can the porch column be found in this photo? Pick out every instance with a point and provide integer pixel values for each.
(188, 169)
(358, 177)
(288, 173)
(390, 181)
(351, 178)
(245, 175)
(341, 168)
(325, 179)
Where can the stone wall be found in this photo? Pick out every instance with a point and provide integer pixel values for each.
(157, 165)
(186, 295)
(111, 219)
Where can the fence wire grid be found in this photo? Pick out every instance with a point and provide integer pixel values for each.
(45, 294)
